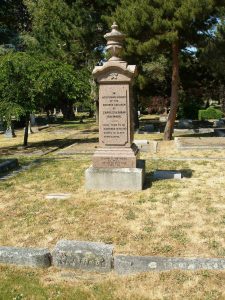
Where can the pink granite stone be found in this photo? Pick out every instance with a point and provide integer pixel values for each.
(116, 128)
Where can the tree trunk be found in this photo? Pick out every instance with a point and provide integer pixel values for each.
(67, 110)
(25, 140)
(91, 113)
(168, 132)
(222, 97)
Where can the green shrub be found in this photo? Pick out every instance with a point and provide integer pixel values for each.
(209, 113)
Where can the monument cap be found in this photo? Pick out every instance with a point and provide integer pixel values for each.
(115, 40)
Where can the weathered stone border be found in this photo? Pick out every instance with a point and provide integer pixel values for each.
(98, 257)
(135, 264)
(180, 146)
(32, 257)
(9, 165)
(19, 170)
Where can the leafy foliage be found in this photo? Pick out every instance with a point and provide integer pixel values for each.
(58, 81)
(14, 19)
(17, 78)
(210, 113)
(67, 30)
(160, 26)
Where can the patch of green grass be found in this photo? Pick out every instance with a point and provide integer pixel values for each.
(223, 220)
(212, 295)
(179, 235)
(26, 284)
(130, 215)
(211, 209)
(213, 244)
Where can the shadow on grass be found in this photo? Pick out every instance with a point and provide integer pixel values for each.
(61, 142)
(148, 180)
(149, 176)
(208, 134)
(34, 146)
(90, 131)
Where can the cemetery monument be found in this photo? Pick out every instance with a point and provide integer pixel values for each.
(115, 164)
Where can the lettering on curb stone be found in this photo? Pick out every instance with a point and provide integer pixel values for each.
(82, 259)
(83, 255)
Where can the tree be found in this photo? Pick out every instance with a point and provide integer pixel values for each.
(14, 18)
(211, 55)
(18, 72)
(66, 29)
(58, 85)
(166, 26)
(70, 32)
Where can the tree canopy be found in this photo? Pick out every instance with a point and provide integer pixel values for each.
(51, 47)
(169, 27)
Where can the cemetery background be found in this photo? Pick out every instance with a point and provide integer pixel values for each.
(168, 218)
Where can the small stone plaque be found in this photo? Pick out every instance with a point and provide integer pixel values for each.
(59, 196)
(8, 165)
(83, 255)
(167, 174)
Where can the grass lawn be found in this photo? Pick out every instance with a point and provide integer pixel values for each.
(23, 283)
(168, 218)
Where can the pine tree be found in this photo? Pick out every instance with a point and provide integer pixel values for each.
(166, 25)
(68, 30)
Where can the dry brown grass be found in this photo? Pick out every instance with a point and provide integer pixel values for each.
(168, 218)
(183, 218)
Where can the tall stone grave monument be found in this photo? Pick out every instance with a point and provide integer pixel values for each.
(115, 165)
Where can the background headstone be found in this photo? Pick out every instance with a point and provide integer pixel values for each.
(185, 124)
(9, 133)
(33, 120)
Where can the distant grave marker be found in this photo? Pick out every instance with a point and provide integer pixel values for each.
(58, 196)
(9, 133)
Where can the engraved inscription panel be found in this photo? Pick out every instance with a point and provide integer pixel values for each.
(114, 115)
(114, 162)
(83, 259)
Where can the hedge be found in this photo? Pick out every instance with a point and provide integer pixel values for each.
(209, 113)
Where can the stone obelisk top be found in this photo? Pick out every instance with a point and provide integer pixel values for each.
(114, 47)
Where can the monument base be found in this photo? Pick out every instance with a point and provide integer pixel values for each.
(116, 157)
(117, 179)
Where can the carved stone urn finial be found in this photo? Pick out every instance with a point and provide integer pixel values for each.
(114, 42)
